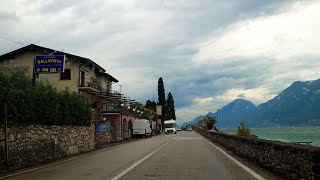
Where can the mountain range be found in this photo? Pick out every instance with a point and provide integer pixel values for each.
(297, 105)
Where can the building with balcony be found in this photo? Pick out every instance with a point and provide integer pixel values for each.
(89, 79)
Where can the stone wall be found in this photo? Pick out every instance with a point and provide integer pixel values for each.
(286, 159)
(35, 144)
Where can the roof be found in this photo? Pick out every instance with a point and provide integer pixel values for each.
(110, 77)
(169, 121)
(33, 47)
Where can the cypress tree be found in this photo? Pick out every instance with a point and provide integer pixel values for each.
(170, 107)
(162, 100)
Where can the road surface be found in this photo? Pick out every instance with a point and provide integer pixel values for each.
(183, 156)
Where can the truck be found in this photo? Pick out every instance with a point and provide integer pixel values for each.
(170, 126)
(141, 127)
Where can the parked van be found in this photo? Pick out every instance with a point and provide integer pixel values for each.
(141, 127)
(170, 126)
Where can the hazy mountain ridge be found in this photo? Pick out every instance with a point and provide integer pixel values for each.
(297, 105)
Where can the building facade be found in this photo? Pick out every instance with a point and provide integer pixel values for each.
(89, 79)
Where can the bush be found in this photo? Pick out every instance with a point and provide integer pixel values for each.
(42, 103)
(243, 130)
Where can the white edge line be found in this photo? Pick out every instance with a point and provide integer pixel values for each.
(44, 166)
(141, 160)
(254, 174)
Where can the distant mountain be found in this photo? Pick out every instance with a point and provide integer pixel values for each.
(299, 104)
(233, 113)
(195, 120)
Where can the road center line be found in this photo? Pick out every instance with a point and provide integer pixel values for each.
(254, 174)
(141, 160)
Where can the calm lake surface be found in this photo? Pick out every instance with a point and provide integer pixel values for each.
(286, 134)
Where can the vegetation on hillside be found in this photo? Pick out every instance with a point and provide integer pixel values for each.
(41, 103)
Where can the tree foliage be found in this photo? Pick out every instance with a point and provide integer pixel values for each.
(42, 103)
(151, 105)
(211, 121)
(171, 114)
(243, 130)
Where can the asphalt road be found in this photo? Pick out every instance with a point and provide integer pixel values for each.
(183, 156)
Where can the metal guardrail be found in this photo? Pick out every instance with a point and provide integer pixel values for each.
(302, 142)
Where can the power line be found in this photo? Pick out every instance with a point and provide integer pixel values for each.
(12, 40)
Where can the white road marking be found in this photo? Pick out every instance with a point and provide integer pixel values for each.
(254, 174)
(41, 167)
(141, 160)
(189, 138)
(66, 160)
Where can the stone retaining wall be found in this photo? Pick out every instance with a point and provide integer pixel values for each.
(35, 144)
(286, 159)
(103, 137)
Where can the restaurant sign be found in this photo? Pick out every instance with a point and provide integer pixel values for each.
(49, 64)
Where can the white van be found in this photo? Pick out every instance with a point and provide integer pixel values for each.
(170, 126)
(142, 127)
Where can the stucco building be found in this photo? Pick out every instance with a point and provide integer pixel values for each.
(86, 77)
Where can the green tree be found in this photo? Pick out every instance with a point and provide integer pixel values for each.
(171, 114)
(151, 105)
(243, 130)
(162, 100)
(211, 121)
(42, 103)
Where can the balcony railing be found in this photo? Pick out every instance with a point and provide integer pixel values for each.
(90, 83)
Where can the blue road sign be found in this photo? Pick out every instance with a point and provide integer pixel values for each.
(49, 64)
(101, 127)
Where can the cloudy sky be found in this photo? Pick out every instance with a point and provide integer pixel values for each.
(208, 52)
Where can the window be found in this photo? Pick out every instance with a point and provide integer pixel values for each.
(66, 75)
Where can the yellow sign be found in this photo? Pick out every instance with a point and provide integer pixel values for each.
(150, 116)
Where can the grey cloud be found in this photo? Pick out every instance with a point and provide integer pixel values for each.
(159, 38)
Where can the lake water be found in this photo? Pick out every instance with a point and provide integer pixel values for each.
(286, 134)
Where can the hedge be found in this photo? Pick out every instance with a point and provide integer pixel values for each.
(41, 104)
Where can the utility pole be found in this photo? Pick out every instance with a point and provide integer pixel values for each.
(218, 119)
(120, 87)
(6, 132)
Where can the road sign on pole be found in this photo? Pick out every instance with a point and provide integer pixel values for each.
(159, 110)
